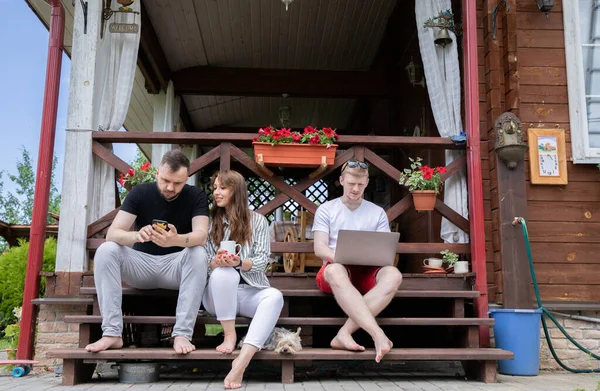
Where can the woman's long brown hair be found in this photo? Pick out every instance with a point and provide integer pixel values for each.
(237, 211)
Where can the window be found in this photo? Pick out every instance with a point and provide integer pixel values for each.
(582, 46)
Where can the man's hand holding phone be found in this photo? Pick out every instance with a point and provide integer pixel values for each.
(164, 234)
(144, 234)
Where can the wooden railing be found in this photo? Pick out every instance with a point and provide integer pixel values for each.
(226, 148)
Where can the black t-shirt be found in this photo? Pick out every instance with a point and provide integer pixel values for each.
(145, 202)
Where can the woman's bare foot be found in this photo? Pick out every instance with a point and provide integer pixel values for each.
(105, 343)
(182, 345)
(382, 346)
(228, 344)
(346, 342)
(233, 379)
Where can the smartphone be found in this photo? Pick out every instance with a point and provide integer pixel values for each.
(161, 223)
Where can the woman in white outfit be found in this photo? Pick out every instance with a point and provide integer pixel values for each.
(237, 284)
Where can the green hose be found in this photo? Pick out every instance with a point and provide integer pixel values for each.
(521, 221)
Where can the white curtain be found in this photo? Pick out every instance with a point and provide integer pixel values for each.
(444, 88)
(115, 73)
(166, 116)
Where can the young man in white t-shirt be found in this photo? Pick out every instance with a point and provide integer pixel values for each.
(361, 291)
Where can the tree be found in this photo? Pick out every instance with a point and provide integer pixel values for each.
(17, 208)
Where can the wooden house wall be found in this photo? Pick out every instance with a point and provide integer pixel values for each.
(563, 221)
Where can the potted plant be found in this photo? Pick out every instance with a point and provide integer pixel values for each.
(142, 174)
(423, 182)
(452, 260)
(286, 148)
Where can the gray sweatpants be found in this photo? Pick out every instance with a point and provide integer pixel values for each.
(185, 271)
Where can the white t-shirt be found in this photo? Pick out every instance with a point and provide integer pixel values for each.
(334, 215)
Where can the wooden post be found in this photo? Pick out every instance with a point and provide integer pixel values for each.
(76, 199)
(512, 202)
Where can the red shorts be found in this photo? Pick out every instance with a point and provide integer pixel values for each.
(362, 277)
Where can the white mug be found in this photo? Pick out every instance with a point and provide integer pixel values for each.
(461, 267)
(435, 262)
(231, 247)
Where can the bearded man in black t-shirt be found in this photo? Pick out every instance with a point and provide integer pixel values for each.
(172, 258)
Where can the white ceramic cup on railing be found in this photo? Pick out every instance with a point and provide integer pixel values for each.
(434, 262)
(231, 247)
(461, 267)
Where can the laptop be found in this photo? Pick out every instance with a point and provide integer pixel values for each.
(366, 248)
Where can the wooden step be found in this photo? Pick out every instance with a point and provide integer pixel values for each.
(293, 321)
(442, 354)
(314, 292)
(63, 300)
(453, 282)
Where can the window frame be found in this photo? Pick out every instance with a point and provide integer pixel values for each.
(580, 137)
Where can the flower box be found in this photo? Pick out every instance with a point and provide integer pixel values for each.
(294, 155)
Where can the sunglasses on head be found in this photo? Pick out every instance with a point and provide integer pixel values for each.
(355, 163)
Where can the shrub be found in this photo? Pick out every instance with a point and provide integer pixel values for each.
(13, 264)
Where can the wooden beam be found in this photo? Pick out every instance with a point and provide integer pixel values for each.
(151, 58)
(209, 80)
(452, 216)
(105, 154)
(225, 160)
(307, 247)
(242, 139)
(103, 222)
(279, 184)
(304, 184)
(204, 160)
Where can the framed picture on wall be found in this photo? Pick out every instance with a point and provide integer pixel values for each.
(547, 156)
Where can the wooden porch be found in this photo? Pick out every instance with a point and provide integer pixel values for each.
(446, 304)
(432, 317)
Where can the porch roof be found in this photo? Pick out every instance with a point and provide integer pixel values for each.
(343, 35)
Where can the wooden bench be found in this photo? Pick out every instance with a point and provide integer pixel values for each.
(447, 297)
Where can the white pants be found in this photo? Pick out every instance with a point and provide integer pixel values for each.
(225, 297)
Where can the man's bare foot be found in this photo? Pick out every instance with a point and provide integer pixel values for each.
(105, 343)
(228, 344)
(346, 342)
(382, 346)
(182, 345)
(233, 379)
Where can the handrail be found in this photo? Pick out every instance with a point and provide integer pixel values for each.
(307, 247)
(245, 139)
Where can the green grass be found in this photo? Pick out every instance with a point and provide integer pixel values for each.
(213, 329)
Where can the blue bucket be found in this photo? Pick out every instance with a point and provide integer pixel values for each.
(518, 331)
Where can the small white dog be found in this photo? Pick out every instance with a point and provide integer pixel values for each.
(281, 341)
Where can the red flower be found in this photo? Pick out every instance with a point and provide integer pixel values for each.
(145, 166)
(427, 172)
(314, 139)
(131, 172)
(441, 170)
(255, 139)
(309, 130)
(296, 137)
(122, 179)
(328, 132)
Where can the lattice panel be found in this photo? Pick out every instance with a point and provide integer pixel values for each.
(259, 193)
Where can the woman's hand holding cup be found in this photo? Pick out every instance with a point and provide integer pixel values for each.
(223, 258)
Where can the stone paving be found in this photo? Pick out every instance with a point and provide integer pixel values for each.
(371, 381)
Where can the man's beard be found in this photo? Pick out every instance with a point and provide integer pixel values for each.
(162, 194)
